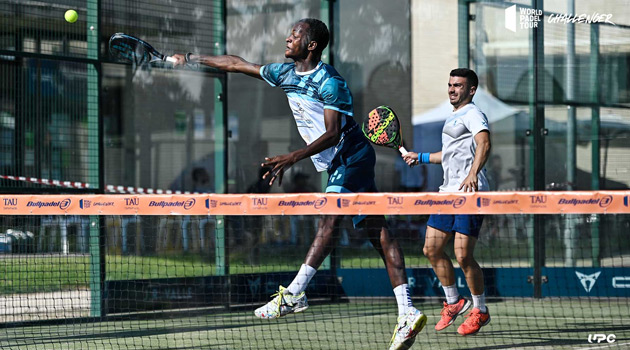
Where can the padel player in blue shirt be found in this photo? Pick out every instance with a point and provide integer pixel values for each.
(321, 103)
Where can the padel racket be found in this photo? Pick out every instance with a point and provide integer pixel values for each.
(382, 128)
(131, 49)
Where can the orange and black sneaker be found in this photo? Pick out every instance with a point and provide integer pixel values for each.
(474, 321)
(451, 311)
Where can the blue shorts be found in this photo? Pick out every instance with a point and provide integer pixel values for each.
(352, 169)
(469, 225)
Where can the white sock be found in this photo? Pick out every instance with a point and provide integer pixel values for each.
(301, 279)
(479, 301)
(403, 299)
(452, 294)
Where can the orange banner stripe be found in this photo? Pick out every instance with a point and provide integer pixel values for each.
(584, 202)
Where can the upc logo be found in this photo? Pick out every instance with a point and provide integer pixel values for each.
(598, 338)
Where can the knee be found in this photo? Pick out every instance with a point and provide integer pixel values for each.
(465, 260)
(431, 253)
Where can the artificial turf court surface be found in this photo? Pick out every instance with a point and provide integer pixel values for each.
(359, 324)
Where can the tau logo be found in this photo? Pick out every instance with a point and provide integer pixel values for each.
(598, 338)
(538, 199)
(588, 281)
(320, 203)
(606, 201)
(259, 202)
(65, 204)
(132, 201)
(189, 203)
(459, 202)
(10, 201)
(395, 200)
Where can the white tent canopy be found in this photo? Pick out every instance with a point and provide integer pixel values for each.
(494, 109)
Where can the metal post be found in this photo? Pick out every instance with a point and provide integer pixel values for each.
(327, 16)
(595, 144)
(94, 129)
(220, 151)
(538, 146)
(569, 225)
(463, 33)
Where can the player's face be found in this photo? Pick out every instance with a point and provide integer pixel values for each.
(297, 42)
(460, 93)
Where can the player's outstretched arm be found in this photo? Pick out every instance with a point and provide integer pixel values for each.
(227, 63)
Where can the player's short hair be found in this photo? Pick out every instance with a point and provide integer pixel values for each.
(469, 74)
(317, 31)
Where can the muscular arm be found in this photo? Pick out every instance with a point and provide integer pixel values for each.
(227, 63)
(330, 138)
(482, 139)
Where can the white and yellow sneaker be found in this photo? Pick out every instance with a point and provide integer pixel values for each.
(283, 303)
(409, 325)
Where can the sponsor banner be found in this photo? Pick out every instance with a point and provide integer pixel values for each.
(588, 281)
(583, 202)
(499, 282)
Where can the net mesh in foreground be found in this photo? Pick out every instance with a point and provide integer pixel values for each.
(192, 281)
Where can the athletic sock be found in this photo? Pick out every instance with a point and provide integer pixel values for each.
(452, 294)
(403, 299)
(479, 301)
(300, 282)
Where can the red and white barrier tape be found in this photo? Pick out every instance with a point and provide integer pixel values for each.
(108, 188)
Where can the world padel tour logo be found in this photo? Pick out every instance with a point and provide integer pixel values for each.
(62, 204)
(529, 18)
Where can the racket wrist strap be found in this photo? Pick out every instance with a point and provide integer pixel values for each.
(187, 57)
(424, 158)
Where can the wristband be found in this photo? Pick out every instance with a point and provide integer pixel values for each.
(424, 158)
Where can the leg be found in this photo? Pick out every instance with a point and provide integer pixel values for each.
(434, 244)
(388, 248)
(292, 299)
(467, 228)
(410, 320)
(464, 248)
(324, 242)
(435, 241)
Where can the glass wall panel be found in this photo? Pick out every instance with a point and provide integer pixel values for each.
(158, 128)
(43, 118)
(259, 117)
(372, 51)
(501, 59)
